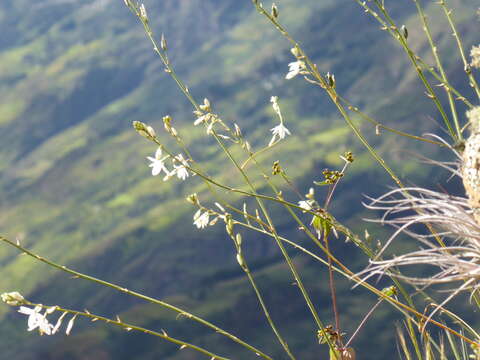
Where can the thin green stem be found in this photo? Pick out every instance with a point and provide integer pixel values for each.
(389, 24)
(434, 48)
(384, 127)
(362, 323)
(136, 294)
(277, 240)
(468, 70)
(131, 327)
(265, 310)
(446, 85)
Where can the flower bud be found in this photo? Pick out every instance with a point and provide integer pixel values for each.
(13, 298)
(295, 51)
(142, 129)
(206, 105)
(404, 32)
(274, 11)
(241, 260)
(238, 239)
(143, 13)
(163, 43)
(193, 199)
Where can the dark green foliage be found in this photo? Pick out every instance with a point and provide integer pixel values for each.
(76, 188)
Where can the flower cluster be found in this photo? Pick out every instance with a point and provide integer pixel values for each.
(180, 165)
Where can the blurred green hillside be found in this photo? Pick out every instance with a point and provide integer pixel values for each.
(75, 186)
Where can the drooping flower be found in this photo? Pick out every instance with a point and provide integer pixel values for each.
(279, 131)
(37, 320)
(158, 163)
(70, 325)
(294, 68)
(181, 170)
(200, 220)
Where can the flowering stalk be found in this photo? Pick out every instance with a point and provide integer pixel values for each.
(124, 290)
(46, 328)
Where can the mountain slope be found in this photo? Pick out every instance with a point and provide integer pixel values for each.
(76, 188)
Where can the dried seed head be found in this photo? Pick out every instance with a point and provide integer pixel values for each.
(471, 163)
(473, 116)
(475, 55)
(471, 172)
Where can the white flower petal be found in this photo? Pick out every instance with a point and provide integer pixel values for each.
(70, 325)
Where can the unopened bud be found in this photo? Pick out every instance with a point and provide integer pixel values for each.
(193, 199)
(241, 260)
(143, 129)
(229, 224)
(404, 32)
(295, 51)
(143, 13)
(13, 298)
(331, 80)
(151, 132)
(311, 194)
(206, 105)
(163, 43)
(274, 11)
(238, 239)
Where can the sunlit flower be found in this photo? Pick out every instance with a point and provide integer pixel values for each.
(201, 220)
(158, 163)
(37, 320)
(305, 204)
(294, 68)
(279, 131)
(181, 170)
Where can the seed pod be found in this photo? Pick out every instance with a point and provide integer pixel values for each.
(163, 43)
(404, 31)
(274, 11)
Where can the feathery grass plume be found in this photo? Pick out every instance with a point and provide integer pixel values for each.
(454, 248)
(471, 163)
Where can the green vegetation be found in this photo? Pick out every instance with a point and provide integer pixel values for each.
(76, 188)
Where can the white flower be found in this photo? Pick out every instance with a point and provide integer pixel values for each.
(37, 320)
(180, 170)
(202, 119)
(279, 131)
(294, 68)
(201, 220)
(305, 204)
(158, 163)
